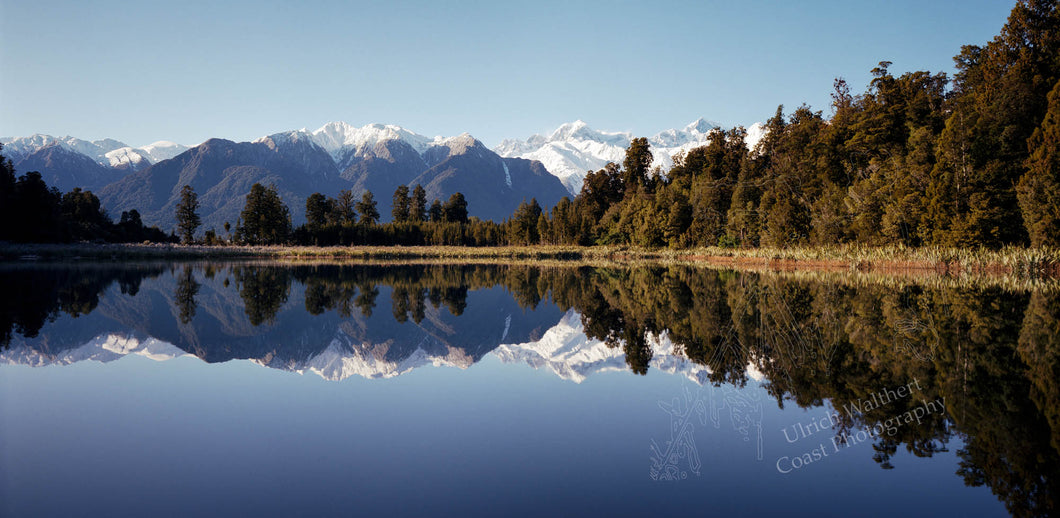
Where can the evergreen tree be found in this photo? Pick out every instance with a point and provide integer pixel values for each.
(1000, 96)
(7, 198)
(82, 215)
(636, 165)
(437, 213)
(37, 208)
(523, 228)
(266, 220)
(318, 209)
(187, 214)
(1039, 188)
(455, 210)
(418, 209)
(346, 207)
(400, 209)
(367, 209)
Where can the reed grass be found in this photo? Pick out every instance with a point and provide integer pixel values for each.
(1017, 262)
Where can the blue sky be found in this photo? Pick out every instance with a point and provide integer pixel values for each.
(187, 71)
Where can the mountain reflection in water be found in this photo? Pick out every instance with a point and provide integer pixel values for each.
(991, 352)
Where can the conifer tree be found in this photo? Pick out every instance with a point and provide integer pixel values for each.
(187, 214)
(1039, 189)
(400, 208)
(418, 209)
(367, 209)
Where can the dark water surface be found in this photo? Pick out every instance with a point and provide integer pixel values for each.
(203, 389)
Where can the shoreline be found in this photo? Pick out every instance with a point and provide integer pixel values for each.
(1006, 262)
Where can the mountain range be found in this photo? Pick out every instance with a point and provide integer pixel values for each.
(574, 149)
(120, 312)
(375, 157)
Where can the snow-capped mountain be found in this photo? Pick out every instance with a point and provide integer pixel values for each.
(105, 152)
(103, 348)
(564, 349)
(340, 139)
(574, 148)
(570, 354)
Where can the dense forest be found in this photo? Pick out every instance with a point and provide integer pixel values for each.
(916, 160)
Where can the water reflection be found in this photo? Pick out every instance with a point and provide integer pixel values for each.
(990, 353)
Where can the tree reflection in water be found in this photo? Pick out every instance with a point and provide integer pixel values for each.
(992, 353)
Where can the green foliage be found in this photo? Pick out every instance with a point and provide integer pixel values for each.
(319, 210)
(455, 210)
(523, 227)
(436, 212)
(367, 209)
(636, 165)
(1039, 189)
(418, 207)
(266, 220)
(402, 202)
(187, 214)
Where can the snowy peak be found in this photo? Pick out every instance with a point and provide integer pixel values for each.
(573, 149)
(106, 152)
(103, 348)
(338, 138)
(458, 145)
(701, 125)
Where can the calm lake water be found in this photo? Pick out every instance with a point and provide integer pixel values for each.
(257, 389)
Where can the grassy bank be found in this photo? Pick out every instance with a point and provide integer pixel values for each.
(1012, 261)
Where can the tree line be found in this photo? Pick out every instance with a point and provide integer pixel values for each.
(32, 212)
(917, 159)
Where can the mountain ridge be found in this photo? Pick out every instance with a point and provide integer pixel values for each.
(336, 156)
(573, 149)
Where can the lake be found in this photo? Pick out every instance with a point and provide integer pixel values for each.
(266, 389)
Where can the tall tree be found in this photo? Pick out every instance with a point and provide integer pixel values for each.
(37, 207)
(187, 214)
(1039, 189)
(637, 165)
(82, 215)
(7, 197)
(266, 220)
(318, 209)
(418, 210)
(455, 209)
(1000, 96)
(400, 207)
(346, 207)
(367, 209)
(437, 213)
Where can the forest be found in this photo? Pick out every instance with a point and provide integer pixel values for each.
(918, 159)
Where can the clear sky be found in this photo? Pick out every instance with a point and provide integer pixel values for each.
(187, 71)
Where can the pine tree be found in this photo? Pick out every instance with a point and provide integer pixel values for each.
(437, 213)
(367, 209)
(317, 210)
(455, 210)
(266, 220)
(418, 209)
(187, 214)
(400, 207)
(345, 207)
